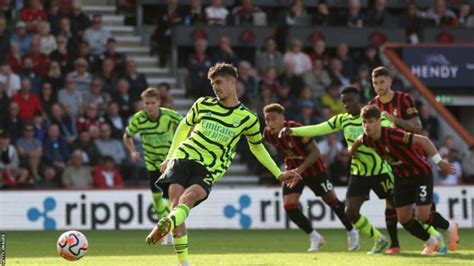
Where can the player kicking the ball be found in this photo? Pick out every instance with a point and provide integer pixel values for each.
(414, 179)
(198, 161)
(302, 155)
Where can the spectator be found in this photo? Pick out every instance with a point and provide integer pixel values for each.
(91, 119)
(297, 15)
(97, 36)
(216, 13)
(33, 14)
(429, 122)
(377, 15)
(96, 95)
(4, 104)
(8, 11)
(248, 80)
(10, 80)
(397, 83)
(336, 70)
(12, 175)
(71, 39)
(79, 20)
(348, 64)
(332, 99)
(194, 15)
(47, 98)
(290, 81)
(109, 79)
(54, 17)
(370, 57)
(62, 55)
(30, 151)
(40, 125)
(466, 18)
(307, 107)
(270, 57)
(29, 103)
(85, 144)
(118, 59)
(14, 58)
(452, 179)
(270, 89)
(224, 52)
(413, 23)
(108, 146)
(66, 124)
(329, 148)
(13, 125)
(69, 97)
(364, 83)
(106, 174)
(40, 61)
(76, 175)
(317, 79)
(47, 41)
(244, 14)
(55, 77)
(166, 100)
(301, 62)
(5, 36)
(85, 52)
(22, 38)
(49, 179)
(81, 76)
(319, 51)
(136, 81)
(448, 145)
(355, 18)
(323, 16)
(123, 98)
(114, 120)
(440, 15)
(198, 65)
(55, 150)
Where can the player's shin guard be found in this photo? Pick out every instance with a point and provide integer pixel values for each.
(179, 214)
(160, 204)
(181, 248)
(438, 221)
(364, 227)
(391, 222)
(296, 216)
(415, 228)
(338, 208)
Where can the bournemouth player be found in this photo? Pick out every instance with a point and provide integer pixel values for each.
(198, 161)
(414, 179)
(156, 126)
(302, 155)
(368, 171)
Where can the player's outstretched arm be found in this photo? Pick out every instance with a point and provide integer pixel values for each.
(411, 125)
(308, 131)
(431, 150)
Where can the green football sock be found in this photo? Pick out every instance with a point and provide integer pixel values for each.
(365, 228)
(160, 204)
(431, 230)
(181, 248)
(179, 214)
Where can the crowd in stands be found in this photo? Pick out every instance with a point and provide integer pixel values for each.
(66, 93)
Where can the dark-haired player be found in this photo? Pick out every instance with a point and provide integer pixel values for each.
(302, 155)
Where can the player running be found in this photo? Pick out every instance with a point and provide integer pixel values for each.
(368, 171)
(198, 161)
(156, 126)
(302, 155)
(414, 179)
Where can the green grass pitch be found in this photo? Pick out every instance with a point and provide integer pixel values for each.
(226, 247)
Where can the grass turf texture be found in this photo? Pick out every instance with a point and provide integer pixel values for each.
(227, 247)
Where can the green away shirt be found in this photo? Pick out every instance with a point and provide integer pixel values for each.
(215, 134)
(368, 162)
(156, 136)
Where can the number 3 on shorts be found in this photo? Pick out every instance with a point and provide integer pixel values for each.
(327, 186)
(423, 191)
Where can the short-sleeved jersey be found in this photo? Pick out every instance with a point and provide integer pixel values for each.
(401, 105)
(217, 130)
(155, 136)
(395, 146)
(368, 162)
(294, 150)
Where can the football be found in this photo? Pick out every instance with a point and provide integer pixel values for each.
(72, 245)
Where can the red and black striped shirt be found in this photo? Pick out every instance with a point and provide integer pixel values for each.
(294, 150)
(395, 146)
(401, 105)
